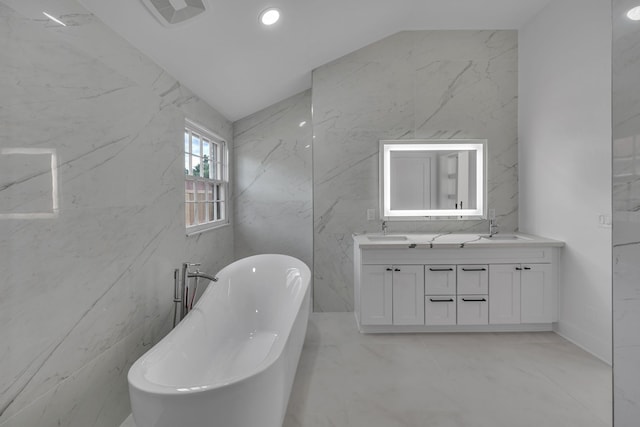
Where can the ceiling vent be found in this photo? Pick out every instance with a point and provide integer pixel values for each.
(173, 12)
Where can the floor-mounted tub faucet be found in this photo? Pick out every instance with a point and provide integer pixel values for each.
(180, 297)
(199, 274)
(183, 290)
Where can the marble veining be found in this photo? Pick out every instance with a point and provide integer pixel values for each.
(272, 179)
(453, 241)
(86, 292)
(626, 219)
(416, 84)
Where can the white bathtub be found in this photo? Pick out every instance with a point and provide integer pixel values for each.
(232, 360)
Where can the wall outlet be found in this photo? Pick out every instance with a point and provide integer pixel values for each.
(371, 214)
(604, 221)
(492, 214)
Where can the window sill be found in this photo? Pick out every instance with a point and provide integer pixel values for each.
(199, 229)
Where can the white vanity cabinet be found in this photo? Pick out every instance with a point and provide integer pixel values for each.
(440, 306)
(473, 294)
(376, 299)
(440, 279)
(539, 303)
(473, 310)
(408, 293)
(440, 310)
(522, 293)
(457, 294)
(505, 294)
(403, 287)
(473, 279)
(392, 295)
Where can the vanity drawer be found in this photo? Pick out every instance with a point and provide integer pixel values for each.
(440, 310)
(440, 279)
(473, 309)
(473, 279)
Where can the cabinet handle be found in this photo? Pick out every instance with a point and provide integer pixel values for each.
(527, 268)
(518, 269)
(474, 300)
(474, 269)
(441, 300)
(441, 269)
(397, 269)
(389, 269)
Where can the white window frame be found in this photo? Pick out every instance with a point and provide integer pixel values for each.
(219, 184)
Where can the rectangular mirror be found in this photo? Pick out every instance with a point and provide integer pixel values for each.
(426, 179)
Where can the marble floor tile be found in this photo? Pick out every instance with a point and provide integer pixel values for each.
(349, 379)
(444, 380)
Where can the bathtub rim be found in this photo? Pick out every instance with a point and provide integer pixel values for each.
(137, 380)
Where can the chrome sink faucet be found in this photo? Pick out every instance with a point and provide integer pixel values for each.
(493, 227)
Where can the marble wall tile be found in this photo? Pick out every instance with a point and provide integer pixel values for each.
(86, 291)
(272, 180)
(626, 220)
(417, 84)
(92, 395)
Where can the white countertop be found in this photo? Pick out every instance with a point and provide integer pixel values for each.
(451, 241)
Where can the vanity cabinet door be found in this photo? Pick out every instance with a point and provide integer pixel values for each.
(473, 309)
(538, 294)
(376, 295)
(440, 279)
(473, 279)
(408, 295)
(440, 310)
(504, 289)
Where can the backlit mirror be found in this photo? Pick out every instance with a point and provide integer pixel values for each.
(427, 179)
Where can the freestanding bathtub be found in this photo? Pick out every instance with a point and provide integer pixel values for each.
(232, 360)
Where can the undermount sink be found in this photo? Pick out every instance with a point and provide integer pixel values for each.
(387, 238)
(505, 237)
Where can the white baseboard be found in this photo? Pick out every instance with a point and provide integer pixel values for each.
(568, 333)
(385, 329)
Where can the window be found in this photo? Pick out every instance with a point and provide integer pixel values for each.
(206, 179)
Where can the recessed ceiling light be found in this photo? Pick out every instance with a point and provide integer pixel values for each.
(302, 123)
(634, 14)
(269, 16)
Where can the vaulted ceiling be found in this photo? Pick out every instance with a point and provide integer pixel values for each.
(239, 66)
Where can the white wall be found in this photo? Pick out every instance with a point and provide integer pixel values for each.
(565, 156)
